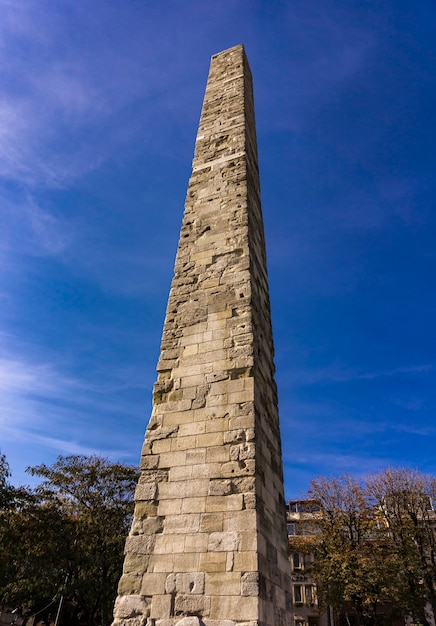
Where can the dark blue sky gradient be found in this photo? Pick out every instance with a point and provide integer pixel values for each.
(99, 109)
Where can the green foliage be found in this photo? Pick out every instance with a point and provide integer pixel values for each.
(67, 538)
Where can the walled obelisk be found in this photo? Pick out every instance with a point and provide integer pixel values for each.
(208, 540)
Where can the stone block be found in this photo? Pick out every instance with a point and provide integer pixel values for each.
(161, 563)
(135, 563)
(160, 606)
(190, 583)
(250, 500)
(180, 473)
(246, 561)
(187, 562)
(170, 507)
(217, 423)
(210, 439)
(196, 542)
(238, 468)
(218, 454)
(190, 349)
(202, 471)
(149, 461)
(145, 509)
(193, 381)
(223, 584)
(153, 583)
(245, 520)
(184, 523)
(210, 346)
(244, 484)
(232, 502)
(211, 522)
(177, 418)
(172, 459)
(169, 543)
(191, 338)
(161, 445)
(193, 428)
(170, 583)
(245, 421)
(140, 544)
(220, 487)
(127, 607)
(152, 525)
(186, 621)
(194, 505)
(250, 584)
(235, 436)
(189, 489)
(237, 608)
(223, 542)
(213, 562)
(218, 401)
(195, 457)
(242, 451)
(183, 443)
(146, 491)
(129, 584)
(191, 605)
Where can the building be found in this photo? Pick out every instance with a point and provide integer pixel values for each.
(300, 515)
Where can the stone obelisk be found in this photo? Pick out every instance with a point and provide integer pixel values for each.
(208, 540)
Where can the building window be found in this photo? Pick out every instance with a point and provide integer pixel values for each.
(310, 594)
(299, 622)
(297, 561)
(298, 594)
(292, 529)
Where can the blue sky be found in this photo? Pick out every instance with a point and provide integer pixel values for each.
(99, 106)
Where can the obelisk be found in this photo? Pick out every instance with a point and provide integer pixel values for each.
(208, 540)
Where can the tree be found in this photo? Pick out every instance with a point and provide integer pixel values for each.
(354, 565)
(405, 498)
(66, 540)
(12, 499)
(8, 493)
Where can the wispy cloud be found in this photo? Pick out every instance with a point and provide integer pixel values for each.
(56, 93)
(338, 373)
(339, 462)
(39, 396)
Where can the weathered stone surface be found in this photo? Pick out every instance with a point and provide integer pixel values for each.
(220, 487)
(250, 584)
(145, 492)
(192, 605)
(223, 542)
(153, 584)
(135, 563)
(160, 606)
(191, 583)
(140, 544)
(131, 606)
(209, 537)
(188, 621)
(129, 584)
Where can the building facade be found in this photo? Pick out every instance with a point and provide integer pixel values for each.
(300, 515)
